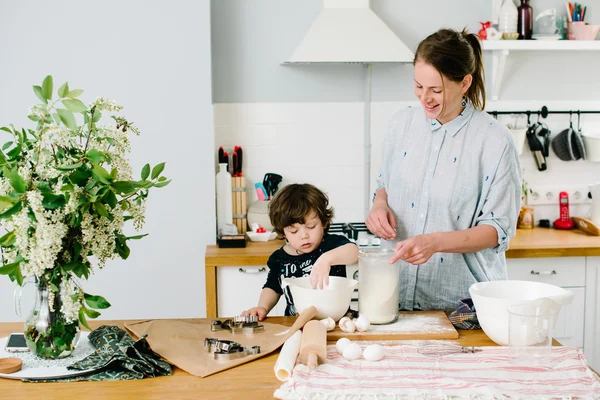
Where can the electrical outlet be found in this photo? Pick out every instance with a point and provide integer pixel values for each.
(541, 195)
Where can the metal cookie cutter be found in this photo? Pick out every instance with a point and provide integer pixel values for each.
(242, 324)
(228, 350)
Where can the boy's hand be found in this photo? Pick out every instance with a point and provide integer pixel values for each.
(260, 312)
(319, 276)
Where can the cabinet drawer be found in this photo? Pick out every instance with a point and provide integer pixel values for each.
(559, 271)
(238, 289)
(569, 326)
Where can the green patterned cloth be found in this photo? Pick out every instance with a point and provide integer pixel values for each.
(117, 357)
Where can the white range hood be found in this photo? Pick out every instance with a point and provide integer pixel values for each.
(348, 31)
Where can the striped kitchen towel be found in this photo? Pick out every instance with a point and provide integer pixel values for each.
(404, 373)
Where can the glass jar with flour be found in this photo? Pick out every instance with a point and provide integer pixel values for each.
(379, 286)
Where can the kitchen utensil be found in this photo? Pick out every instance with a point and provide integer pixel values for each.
(271, 182)
(379, 282)
(10, 365)
(538, 149)
(491, 300)
(313, 349)
(568, 145)
(226, 350)
(444, 349)
(591, 143)
(586, 225)
(240, 154)
(331, 301)
(287, 357)
(411, 325)
(306, 315)
(242, 324)
(221, 155)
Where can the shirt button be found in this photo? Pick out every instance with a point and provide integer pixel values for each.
(435, 148)
(422, 216)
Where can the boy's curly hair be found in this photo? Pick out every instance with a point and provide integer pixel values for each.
(294, 202)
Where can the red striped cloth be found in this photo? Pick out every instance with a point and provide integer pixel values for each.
(406, 374)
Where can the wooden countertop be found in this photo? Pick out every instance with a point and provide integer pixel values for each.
(253, 380)
(527, 243)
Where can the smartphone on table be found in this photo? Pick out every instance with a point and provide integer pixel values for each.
(16, 343)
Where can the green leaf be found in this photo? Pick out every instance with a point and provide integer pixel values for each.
(67, 188)
(95, 156)
(6, 202)
(101, 209)
(82, 319)
(91, 313)
(44, 187)
(69, 167)
(11, 211)
(14, 152)
(121, 246)
(8, 239)
(137, 237)
(80, 177)
(74, 93)
(17, 182)
(125, 187)
(101, 174)
(67, 118)
(63, 90)
(162, 184)
(5, 129)
(97, 302)
(74, 105)
(47, 87)
(110, 198)
(53, 201)
(97, 116)
(34, 118)
(9, 268)
(18, 276)
(158, 168)
(40, 94)
(56, 118)
(70, 266)
(82, 270)
(145, 172)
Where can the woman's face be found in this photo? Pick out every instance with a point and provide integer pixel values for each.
(440, 97)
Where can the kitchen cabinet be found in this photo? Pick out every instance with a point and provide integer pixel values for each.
(570, 273)
(592, 312)
(501, 49)
(238, 289)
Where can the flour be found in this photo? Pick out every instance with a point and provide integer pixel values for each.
(379, 283)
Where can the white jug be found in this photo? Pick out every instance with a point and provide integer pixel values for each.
(595, 189)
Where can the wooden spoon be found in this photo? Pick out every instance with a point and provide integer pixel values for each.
(10, 365)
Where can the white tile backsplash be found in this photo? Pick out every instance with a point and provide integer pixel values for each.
(323, 144)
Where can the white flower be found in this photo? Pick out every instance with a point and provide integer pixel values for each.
(102, 103)
(70, 308)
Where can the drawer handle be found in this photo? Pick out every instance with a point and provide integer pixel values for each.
(553, 272)
(252, 271)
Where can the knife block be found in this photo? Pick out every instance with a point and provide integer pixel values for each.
(238, 195)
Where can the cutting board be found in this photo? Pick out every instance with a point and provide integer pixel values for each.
(411, 325)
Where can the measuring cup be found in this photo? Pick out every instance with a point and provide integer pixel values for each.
(379, 286)
(530, 331)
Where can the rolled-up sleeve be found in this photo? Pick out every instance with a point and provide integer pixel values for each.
(503, 202)
(384, 169)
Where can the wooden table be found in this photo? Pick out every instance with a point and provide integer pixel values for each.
(254, 380)
(527, 243)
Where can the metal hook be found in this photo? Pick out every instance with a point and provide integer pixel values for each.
(528, 115)
(495, 114)
(571, 119)
(578, 120)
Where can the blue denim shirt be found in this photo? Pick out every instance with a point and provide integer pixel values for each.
(443, 178)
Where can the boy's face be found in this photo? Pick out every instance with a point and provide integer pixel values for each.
(305, 238)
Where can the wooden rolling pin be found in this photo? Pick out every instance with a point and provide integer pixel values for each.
(313, 349)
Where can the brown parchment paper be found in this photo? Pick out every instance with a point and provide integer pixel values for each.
(182, 343)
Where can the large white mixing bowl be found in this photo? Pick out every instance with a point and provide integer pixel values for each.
(331, 301)
(491, 300)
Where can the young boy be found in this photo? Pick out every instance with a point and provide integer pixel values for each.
(300, 213)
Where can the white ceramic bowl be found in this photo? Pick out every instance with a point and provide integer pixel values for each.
(331, 301)
(261, 236)
(491, 300)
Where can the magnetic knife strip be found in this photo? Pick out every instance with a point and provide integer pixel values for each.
(241, 324)
(228, 349)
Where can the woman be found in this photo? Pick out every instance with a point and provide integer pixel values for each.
(450, 185)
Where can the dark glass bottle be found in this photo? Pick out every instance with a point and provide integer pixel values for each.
(525, 24)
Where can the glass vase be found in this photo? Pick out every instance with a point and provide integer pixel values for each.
(47, 332)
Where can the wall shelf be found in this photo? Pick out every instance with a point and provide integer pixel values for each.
(501, 49)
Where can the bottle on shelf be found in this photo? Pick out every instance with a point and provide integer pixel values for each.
(224, 197)
(509, 16)
(525, 22)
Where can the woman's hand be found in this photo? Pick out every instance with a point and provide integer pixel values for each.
(381, 221)
(416, 251)
(319, 275)
(260, 312)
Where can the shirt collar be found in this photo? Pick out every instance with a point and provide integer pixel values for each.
(456, 124)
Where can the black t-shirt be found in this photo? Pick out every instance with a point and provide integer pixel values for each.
(282, 265)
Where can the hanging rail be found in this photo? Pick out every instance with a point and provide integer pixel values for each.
(543, 112)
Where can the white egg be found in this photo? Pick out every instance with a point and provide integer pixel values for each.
(341, 344)
(352, 352)
(362, 323)
(374, 352)
(329, 323)
(346, 325)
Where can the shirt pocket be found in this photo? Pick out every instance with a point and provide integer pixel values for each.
(464, 204)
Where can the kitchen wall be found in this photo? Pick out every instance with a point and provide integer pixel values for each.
(306, 121)
(153, 57)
